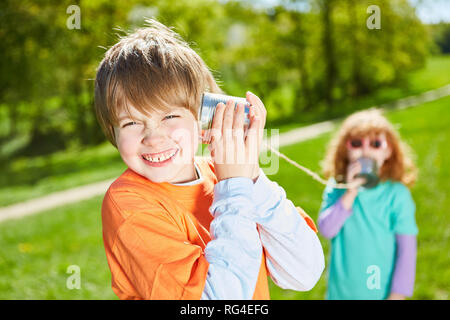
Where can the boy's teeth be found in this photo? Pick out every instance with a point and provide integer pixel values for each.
(160, 158)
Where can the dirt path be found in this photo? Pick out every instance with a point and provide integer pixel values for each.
(53, 200)
(294, 136)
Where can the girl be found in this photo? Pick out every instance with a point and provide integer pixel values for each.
(372, 230)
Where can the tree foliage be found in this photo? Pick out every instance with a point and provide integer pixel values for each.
(306, 56)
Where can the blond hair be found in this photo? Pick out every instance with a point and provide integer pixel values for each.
(151, 69)
(398, 167)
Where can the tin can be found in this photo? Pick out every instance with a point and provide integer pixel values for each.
(369, 171)
(208, 109)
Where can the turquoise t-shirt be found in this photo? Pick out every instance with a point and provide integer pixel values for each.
(362, 254)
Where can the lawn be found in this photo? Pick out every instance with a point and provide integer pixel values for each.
(36, 251)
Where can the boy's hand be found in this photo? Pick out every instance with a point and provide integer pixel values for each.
(259, 110)
(235, 154)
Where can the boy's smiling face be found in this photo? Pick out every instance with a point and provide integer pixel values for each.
(161, 146)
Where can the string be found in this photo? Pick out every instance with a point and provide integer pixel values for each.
(309, 172)
(312, 174)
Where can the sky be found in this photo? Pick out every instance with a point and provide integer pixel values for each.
(433, 11)
(429, 11)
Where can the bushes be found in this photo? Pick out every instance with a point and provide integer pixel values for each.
(306, 57)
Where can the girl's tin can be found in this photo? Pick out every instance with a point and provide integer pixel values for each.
(208, 109)
(369, 171)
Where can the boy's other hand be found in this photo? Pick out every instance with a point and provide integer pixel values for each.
(234, 153)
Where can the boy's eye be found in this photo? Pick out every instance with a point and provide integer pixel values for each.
(171, 116)
(128, 124)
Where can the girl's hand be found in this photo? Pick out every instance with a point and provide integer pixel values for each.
(352, 170)
(349, 197)
(396, 296)
(234, 154)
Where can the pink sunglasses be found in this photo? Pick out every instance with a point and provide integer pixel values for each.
(357, 143)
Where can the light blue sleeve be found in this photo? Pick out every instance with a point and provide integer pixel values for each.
(403, 211)
(235, 251)
(294, 255)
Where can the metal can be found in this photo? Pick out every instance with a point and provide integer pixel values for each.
(208, 109)
(369, 171)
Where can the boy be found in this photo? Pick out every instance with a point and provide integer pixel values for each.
(157, 214)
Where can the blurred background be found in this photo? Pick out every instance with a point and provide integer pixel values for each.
(309, 61)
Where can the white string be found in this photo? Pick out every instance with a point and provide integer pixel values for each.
(312, 174)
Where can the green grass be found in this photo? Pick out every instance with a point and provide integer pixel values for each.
(36, 251)
(435, 74)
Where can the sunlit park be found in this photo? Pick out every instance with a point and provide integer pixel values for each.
(311, 62)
